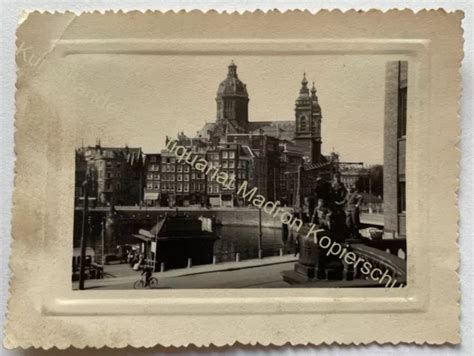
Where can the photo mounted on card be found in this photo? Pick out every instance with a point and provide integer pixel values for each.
(231, 175)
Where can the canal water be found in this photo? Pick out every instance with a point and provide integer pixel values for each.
(244, 241)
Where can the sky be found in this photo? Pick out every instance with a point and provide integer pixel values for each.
(138, 100)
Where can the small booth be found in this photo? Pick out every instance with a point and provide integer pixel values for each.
(177, 241)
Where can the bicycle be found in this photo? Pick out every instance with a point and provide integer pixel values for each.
(141, 283)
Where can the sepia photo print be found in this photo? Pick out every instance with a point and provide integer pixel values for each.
(247, 172)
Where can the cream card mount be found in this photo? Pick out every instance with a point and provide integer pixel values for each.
(107, 106)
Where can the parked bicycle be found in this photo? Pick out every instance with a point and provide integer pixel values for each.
(141, 283)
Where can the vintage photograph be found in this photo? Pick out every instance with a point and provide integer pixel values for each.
(213, 178)
(247, 172)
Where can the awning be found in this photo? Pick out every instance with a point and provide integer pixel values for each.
(151, 196)
(143, 238)
(146, 233)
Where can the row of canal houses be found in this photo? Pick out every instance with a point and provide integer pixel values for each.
(128, 176)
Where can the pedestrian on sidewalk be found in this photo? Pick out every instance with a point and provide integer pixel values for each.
(296, 243)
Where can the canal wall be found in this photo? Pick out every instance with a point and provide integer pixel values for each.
(224, 216)
(246, 217)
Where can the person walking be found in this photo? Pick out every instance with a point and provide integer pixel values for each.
(353, 201)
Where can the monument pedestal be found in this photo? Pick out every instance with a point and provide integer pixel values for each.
(313, 263)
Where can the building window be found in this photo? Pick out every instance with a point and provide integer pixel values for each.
(172, 168)
(149, 176)
(303, 123)
(180, 168)
(401, 197)
(172, 177)
(149, 185)
(119, 164)
(186, 177)
(231, 154)
(193, 175)
(157, 185)
(224, 154)
(209, 189)
(224, 164)
(153, 159)
(216, 189)
(109, 175)
(180, 177)
(180, 187)
(186, 168)
(186, 187)
(157, 176)
(109, 164)
(231, 164)
(402, 112)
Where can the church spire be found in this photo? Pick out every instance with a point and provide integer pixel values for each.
(232, 73)
(304, 85)
(308, 121)
(313, 91)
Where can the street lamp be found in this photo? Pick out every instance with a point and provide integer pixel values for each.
(85, 187)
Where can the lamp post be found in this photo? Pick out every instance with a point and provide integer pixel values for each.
(259, 232)
(85, 186)
(370, 195)
(298, 187)
(259, 240)
(103, 242)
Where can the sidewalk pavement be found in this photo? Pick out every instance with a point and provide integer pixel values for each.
(124, 275)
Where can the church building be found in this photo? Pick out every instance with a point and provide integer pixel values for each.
(232, 117)
(282, 159)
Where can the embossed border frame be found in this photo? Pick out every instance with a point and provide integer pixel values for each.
(264, 316)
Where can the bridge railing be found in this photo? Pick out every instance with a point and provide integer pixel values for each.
(383, 260)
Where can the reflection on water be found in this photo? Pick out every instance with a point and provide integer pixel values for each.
(244, 240)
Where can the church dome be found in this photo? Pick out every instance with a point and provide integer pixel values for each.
(232, 85)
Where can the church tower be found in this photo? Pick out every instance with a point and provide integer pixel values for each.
(232, 100)
(308, 122)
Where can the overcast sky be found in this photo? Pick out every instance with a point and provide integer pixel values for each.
(153, 96)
